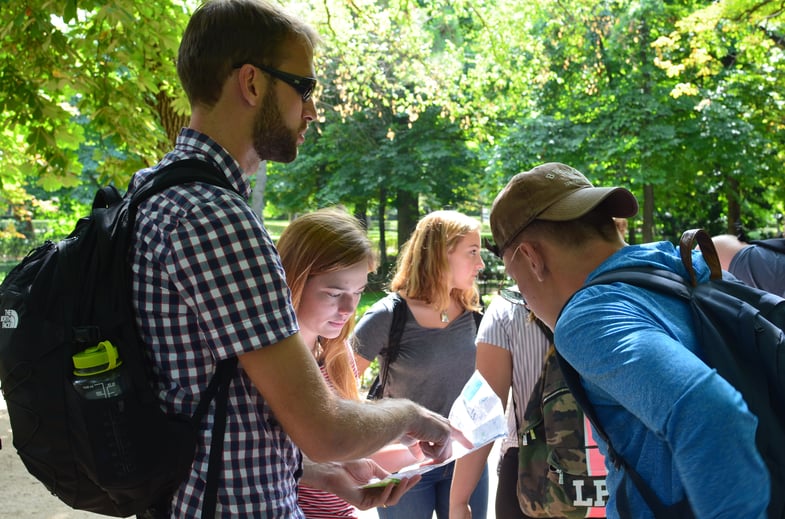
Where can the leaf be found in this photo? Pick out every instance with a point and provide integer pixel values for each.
(69, 11)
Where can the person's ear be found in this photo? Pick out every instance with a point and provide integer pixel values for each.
(249, 80)
(533, 254)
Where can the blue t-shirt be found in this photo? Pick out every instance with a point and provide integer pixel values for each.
(683, 427)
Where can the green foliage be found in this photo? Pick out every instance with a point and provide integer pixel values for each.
(437, 102)
(428, 157)
(609, 105)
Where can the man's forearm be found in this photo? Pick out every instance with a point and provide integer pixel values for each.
(364, 427)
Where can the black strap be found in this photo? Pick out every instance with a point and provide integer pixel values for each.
(477, 319)
(390, 353)
(178, 172)
(400, 315)
(541, 380)
(218, 389)
(775, 244)
(544, 329)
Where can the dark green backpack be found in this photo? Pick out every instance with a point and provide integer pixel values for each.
(561, 472)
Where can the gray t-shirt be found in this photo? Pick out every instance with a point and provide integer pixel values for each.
(433, 364)
(760, 267)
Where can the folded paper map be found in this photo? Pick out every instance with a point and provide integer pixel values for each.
(477, 413)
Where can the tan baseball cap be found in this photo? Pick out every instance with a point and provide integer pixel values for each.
(555, 192)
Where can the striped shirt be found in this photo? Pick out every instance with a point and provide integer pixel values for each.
(507, 326)
(318, 504)
(208, 285)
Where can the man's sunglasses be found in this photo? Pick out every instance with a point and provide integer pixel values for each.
(513, 296)
(304, 85)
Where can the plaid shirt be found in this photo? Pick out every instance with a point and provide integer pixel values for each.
(208, 285)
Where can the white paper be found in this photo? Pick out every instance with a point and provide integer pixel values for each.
(478, 413)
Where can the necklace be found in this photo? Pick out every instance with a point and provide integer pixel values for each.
(445, 318)
(317, 348)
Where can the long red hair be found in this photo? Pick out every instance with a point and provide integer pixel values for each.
(324, 241)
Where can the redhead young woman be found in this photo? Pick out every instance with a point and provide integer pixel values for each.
(327, 257)
(436, 277)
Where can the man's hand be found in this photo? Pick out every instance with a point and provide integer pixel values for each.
(346, 479)
(434, 434)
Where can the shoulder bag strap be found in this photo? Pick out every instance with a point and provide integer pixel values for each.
(390, 352)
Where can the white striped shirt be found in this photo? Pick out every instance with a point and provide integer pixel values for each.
(508, 326)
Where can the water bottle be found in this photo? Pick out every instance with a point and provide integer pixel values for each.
(101, 382)
(96, 372)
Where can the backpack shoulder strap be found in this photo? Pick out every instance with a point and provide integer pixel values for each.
(538, 385)
(775, 244)
(572, 379)
(477, 319)
(651, 278)
(175, 173)
(544, 329)
(665, 281)
(399, 317)
(680, 509)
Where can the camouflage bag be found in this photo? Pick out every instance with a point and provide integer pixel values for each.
(561, 473)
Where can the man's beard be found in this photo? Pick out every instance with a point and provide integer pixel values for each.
(272, 139)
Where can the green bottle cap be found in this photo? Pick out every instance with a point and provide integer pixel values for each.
(96, 359)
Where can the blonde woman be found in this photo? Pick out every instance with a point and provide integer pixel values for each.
(436, 277)
(327, 257)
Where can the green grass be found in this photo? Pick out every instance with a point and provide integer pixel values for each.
(275, 227)
(366, 300)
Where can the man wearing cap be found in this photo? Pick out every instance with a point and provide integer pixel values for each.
(683, 428)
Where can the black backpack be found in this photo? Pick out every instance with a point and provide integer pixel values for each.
(116, 454)
(740, 329)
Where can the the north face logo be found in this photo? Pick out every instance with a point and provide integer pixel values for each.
(9, 319)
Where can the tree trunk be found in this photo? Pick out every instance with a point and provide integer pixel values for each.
(382, 238)
(361, 213)
(171, 121)
(648, 213)
(734, 209)
(408, 214)
(257, 197)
